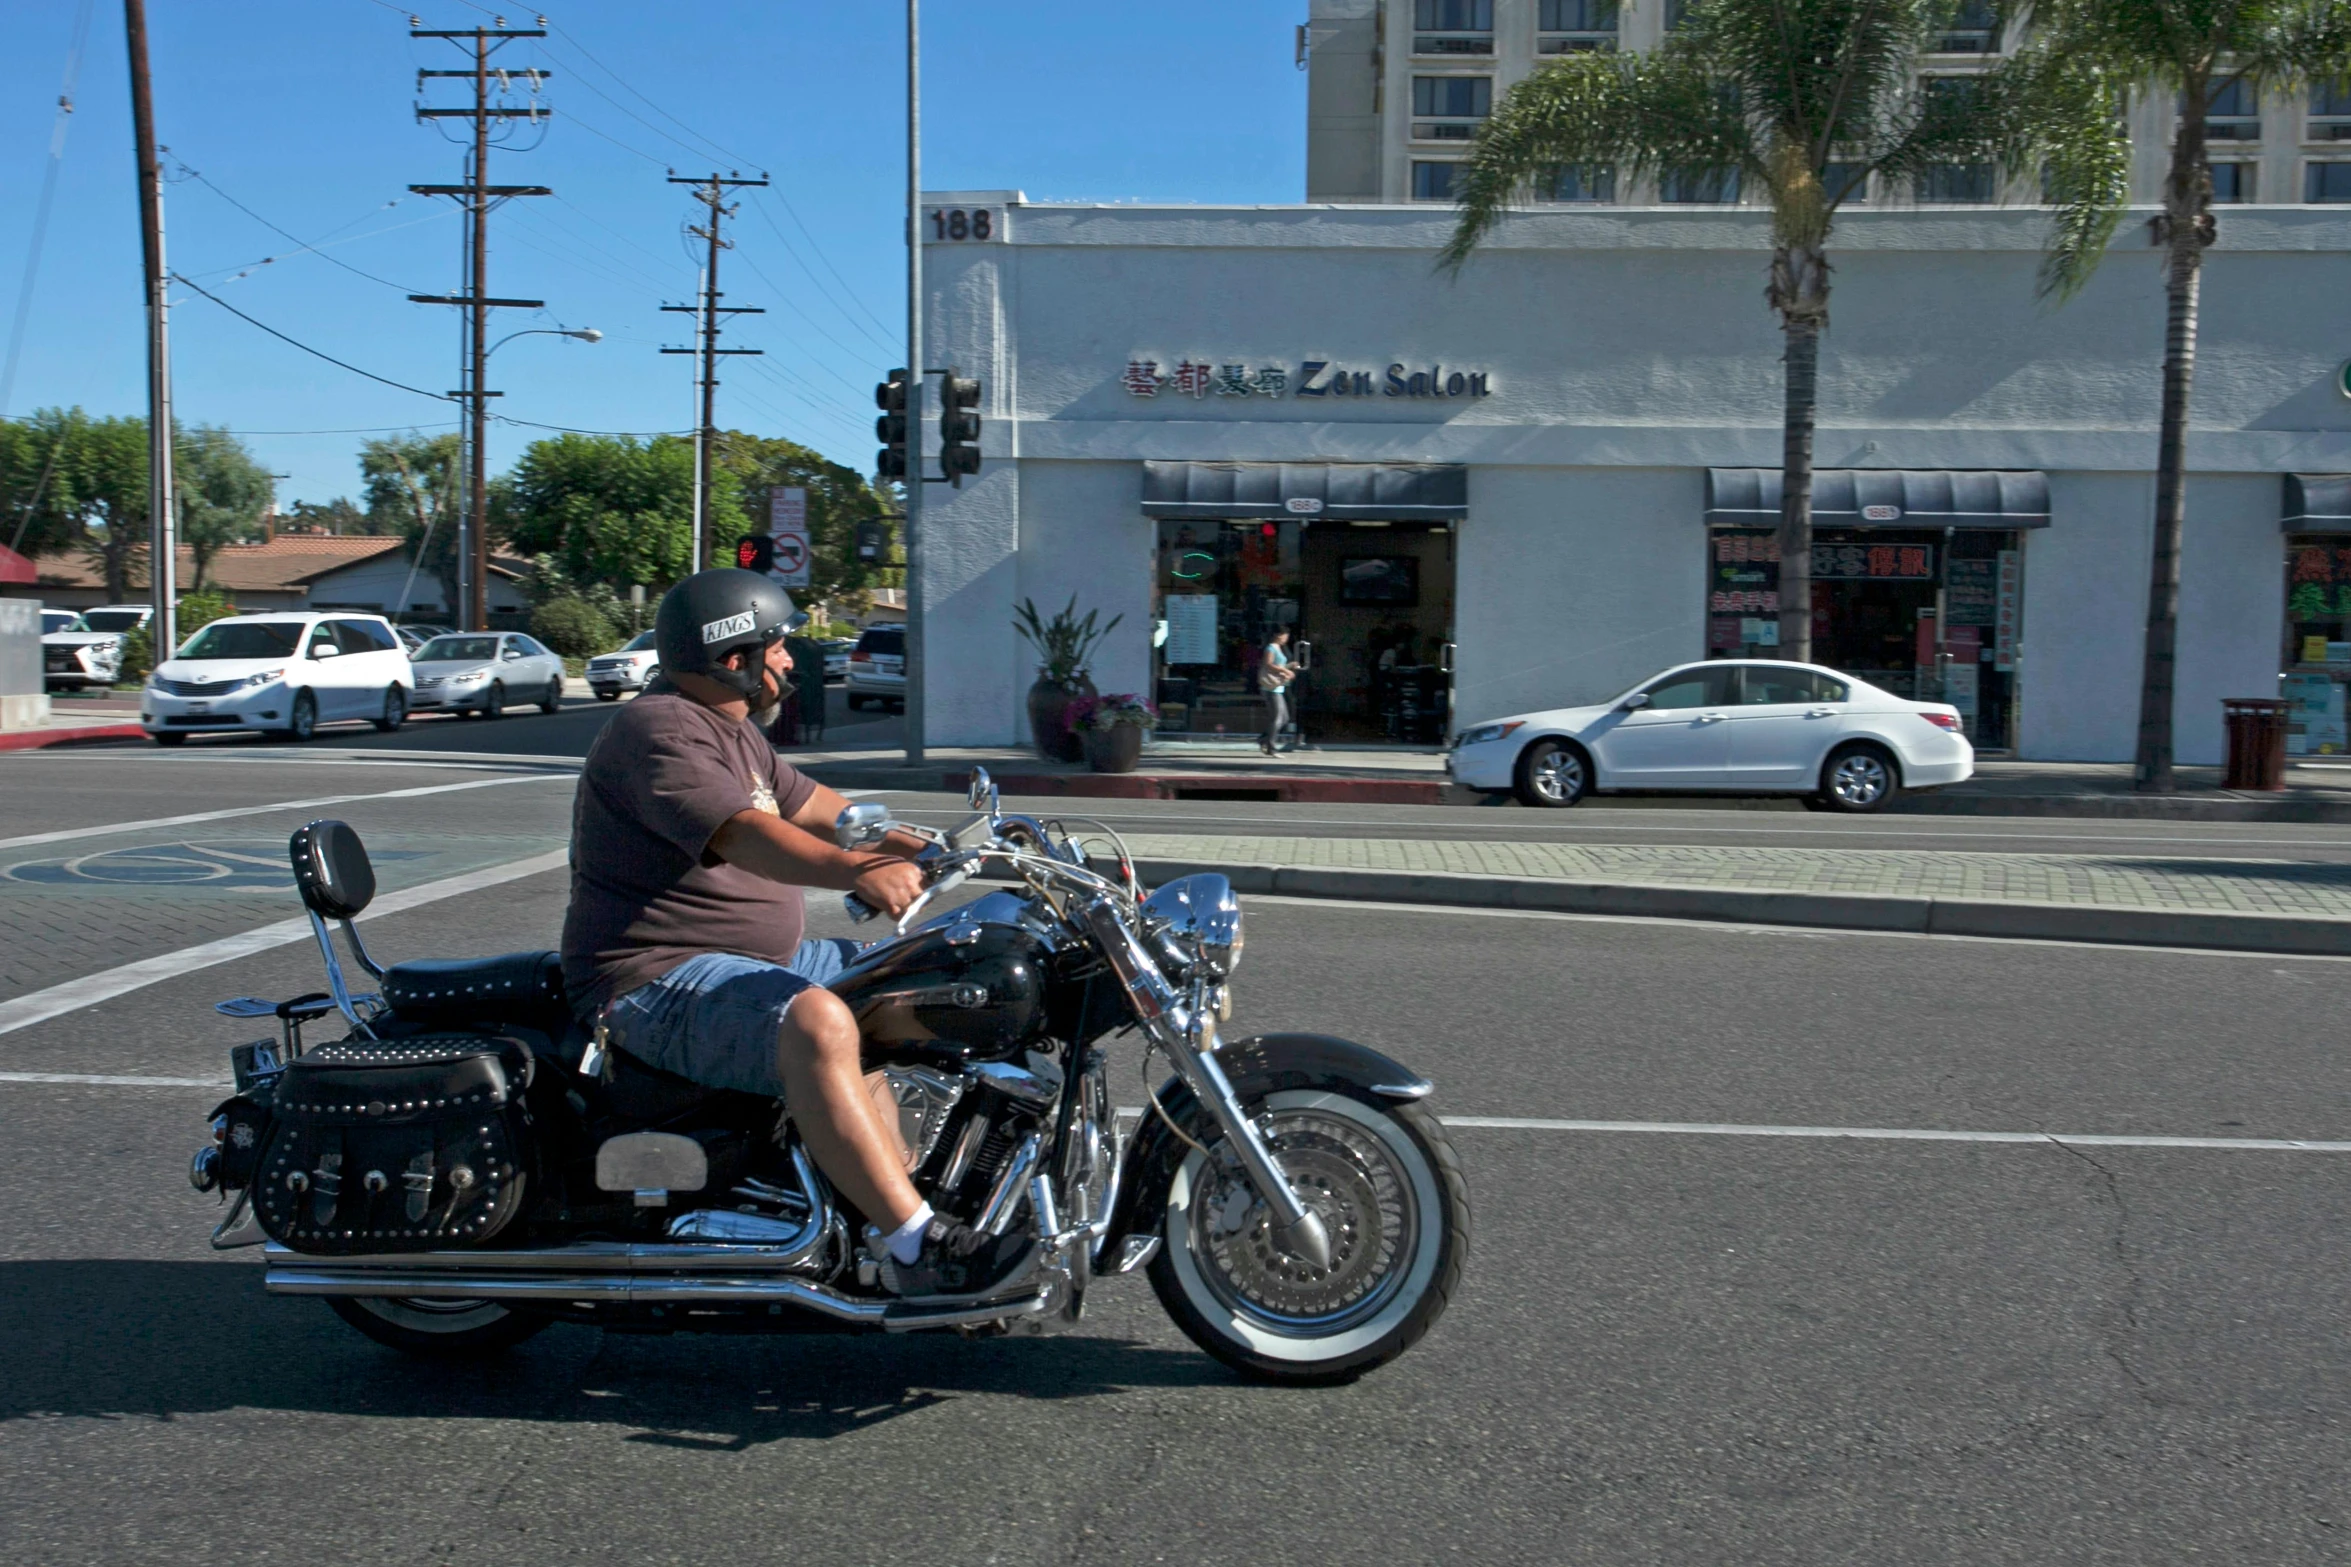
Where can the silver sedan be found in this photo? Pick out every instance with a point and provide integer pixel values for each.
(486, 672)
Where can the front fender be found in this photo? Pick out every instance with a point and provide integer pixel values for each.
(1259, 1065)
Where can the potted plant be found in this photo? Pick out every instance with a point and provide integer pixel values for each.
(1111, 728)
(1064, 646)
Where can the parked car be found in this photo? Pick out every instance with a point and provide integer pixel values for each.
(411, 638)
(483, 671)
(877, 669)
(1725, 727)
(87, 650)
(628, 669)
(836, 656)
(282, 674)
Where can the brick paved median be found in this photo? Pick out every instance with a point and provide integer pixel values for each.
(2105, 881)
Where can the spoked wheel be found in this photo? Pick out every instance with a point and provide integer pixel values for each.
(552, 702)
(1388, 1188)
(302, 720)
(1551, 775)
(395, 710)
(1859, 779)
(494, 705)
(437, 1329)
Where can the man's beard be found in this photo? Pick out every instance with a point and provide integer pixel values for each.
(768, 703)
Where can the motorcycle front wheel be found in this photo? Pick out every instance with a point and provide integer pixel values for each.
(1384, 1180)
(437, 1329)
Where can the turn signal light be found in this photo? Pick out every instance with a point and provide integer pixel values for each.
(1948, 721)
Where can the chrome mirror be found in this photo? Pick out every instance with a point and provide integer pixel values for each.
(983, 794)
(861, 823)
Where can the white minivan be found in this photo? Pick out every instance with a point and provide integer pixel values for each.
(281, 674)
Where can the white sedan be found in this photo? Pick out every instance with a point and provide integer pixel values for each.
(1724, 727)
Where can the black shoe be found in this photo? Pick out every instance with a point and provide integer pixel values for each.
(955, 1260)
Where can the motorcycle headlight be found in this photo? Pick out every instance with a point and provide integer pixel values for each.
(1197, 916)
(1486, 732)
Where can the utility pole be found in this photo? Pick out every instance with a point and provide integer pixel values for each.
(711, 192)
(916, 670)
(478, 195)
(162, 536)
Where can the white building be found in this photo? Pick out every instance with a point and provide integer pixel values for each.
(1543, 480)
(1396, 89)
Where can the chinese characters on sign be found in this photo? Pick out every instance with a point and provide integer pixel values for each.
(2007, 611)
(1884, 562)
(1201, 378)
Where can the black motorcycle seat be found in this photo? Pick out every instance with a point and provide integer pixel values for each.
(453, 988)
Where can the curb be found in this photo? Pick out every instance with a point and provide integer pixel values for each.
(37, 739)
(2214, 930)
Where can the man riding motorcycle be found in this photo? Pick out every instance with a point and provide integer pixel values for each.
(691, 842)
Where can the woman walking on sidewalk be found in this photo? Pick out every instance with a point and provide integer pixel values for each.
(1274, 675)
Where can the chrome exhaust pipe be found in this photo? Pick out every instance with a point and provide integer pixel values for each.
(324, 1277)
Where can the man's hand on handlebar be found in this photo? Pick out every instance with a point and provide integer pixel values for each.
(888, 884)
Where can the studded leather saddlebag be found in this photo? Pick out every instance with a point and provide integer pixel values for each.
(389, 1145)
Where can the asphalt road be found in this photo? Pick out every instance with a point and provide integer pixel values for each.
(1670, 1348)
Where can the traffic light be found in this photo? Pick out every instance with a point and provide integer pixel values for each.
(756, 552)
(959, 428)
(873, 543)
(890, 428)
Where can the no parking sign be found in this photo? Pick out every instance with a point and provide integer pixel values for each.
(787, 521)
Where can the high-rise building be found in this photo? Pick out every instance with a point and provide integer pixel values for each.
(1396, 90)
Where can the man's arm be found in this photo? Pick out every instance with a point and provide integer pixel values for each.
(788, 852)
(824, 806)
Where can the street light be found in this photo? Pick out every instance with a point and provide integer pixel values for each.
(586, 334)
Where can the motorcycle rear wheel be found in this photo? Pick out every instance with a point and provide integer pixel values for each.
(1385, 1181)
(437, 1329)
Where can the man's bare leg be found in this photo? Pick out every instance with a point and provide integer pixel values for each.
(817, 1055)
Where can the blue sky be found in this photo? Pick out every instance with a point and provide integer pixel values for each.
(300, 110)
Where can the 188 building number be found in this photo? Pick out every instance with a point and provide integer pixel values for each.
(954, 223)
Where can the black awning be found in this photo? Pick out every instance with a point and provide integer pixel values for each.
(1399, 492)
(2318, 503)
(1885, 498)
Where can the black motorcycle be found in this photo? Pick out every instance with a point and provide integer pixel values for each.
(468, 1164)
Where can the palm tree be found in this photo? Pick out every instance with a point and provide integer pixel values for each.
(1807, 100)
(2191, 50)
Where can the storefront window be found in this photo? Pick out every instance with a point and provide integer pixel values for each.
(2317, 654)
(1369, 604)
(1923, 613)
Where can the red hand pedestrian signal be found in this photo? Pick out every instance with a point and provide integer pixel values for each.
(755, 552)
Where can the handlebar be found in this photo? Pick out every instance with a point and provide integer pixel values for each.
(860, 911)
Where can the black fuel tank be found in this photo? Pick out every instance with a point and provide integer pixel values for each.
(967, 990)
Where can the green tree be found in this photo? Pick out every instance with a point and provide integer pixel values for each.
(1803, 100)
(415, 488)
(36, 511)
(838, 500)
(2183, 52)
(102, 480)
(337, 516)
(608, 509)
(223, 494)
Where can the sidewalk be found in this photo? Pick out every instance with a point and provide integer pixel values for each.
(2246, 905)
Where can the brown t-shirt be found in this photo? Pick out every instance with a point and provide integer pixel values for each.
(646, 892)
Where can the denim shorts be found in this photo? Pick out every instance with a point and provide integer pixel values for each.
(714, 1018)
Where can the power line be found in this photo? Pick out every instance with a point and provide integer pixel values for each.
(32, 265)
(643, 435)
(707, 146)
(308, 246)
(315, 353)
(849, 293)
(245, 268)
(711, 193)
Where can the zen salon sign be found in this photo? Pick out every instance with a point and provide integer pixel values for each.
(1201, 378)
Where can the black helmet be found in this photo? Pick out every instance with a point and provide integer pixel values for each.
(711, 613)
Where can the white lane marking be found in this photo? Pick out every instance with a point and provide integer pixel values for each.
(1898, 1134)
(1791, 932)
(95, 1080)
(41, 1005)
(1901, 1134)
(310, 757)
(154, 822)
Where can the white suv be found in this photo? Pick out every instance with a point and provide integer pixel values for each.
(281, 674)
(86, 649)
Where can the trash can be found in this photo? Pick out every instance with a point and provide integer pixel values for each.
(2257, 742)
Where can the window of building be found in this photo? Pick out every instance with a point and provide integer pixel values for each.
(1567, 26)
(1845, 181)
(1448, 108)
(2330, 112)
(2328, 182)
(1433, 181)
(2317, 655)
(2232, 112)
(1957, 182)
(1453, 26)
(1675, 11)
(1572, 183)
(1973, 29)
(2232, 182)
(1699, 186)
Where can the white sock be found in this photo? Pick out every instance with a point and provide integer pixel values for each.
(905, 1242)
